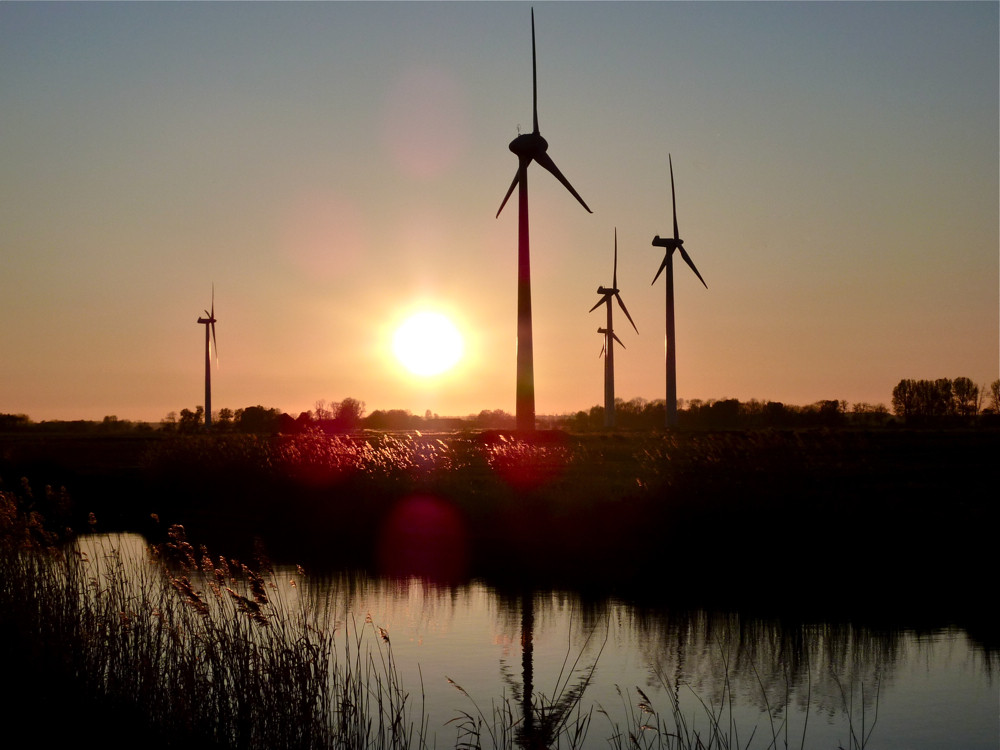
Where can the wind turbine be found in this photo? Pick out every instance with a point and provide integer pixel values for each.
(528, 147)
(670, 244)
(209, 322)
(609, 338)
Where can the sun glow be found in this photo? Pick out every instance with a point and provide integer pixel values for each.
(427, 343)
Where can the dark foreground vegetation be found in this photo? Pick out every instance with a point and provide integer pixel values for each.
(169, 647)
(897, 518)
(873, 525)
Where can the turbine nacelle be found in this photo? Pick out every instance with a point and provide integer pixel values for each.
(614, 335)
(669, 243)
(674, 243)
(607, 293)
(532, 147)
(529, 145)
(209, 322)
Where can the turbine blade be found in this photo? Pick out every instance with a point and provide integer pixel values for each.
(666, 259)
(546, 161)
(215, 344)
(625, 310)
(673, 198)
(614, 276)
(213, 299)
(599, 303)
(534, 73)
(510, 190)
(687, 259)
(615, 337)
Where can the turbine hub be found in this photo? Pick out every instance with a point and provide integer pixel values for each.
(667, 242)
(529, 145)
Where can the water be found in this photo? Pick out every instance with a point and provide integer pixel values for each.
(818, 680)
(815, 685)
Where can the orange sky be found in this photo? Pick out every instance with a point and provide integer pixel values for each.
(332, 167)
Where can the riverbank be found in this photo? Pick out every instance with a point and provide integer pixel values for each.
(829, 523)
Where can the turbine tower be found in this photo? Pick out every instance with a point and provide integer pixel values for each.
(528, 147)
(209, 322)
(609, 338)
(671, 244)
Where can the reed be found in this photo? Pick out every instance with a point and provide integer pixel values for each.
(643, 727)
(183, 648)
(192, 650)
(533, 720)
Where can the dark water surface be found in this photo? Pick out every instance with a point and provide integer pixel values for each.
(766, 681)
(823, 681)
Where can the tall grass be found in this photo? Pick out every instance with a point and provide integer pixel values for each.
(643, 727)
(544, 500)
(191, 649)
(532, 720)
(206, 651)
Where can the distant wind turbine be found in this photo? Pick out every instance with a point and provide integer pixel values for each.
(671, 244)
(528, 147)
(209, 322)
(609, 338)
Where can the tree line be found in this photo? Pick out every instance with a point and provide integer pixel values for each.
(915, 403)
(943, 400)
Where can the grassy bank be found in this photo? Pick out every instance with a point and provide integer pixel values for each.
(171, 648)
(895, 520)
(174, 647)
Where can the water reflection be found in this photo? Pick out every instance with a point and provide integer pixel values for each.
(824, 681)
(766, 663)
(543, 716)
(548, 656)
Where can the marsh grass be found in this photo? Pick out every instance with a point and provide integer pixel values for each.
(638, 725)
(544, 499)
(207, 651)
(541, 721)
(184, 650)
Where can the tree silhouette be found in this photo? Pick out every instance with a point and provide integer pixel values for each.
(966, 396)
(995, 396)
(190, 421)
(904, 398)
(349, 413)
(257, 420)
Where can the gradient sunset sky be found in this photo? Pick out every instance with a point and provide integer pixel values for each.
(334, 167)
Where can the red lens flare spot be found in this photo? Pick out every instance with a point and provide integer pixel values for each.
(425, 537)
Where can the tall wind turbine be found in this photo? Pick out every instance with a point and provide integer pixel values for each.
(209, 322)
(528, 147)
(609, 338)
(671, 244)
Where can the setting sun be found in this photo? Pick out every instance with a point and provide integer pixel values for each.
(427, 343)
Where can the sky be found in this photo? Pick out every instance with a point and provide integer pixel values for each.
(333, 167)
